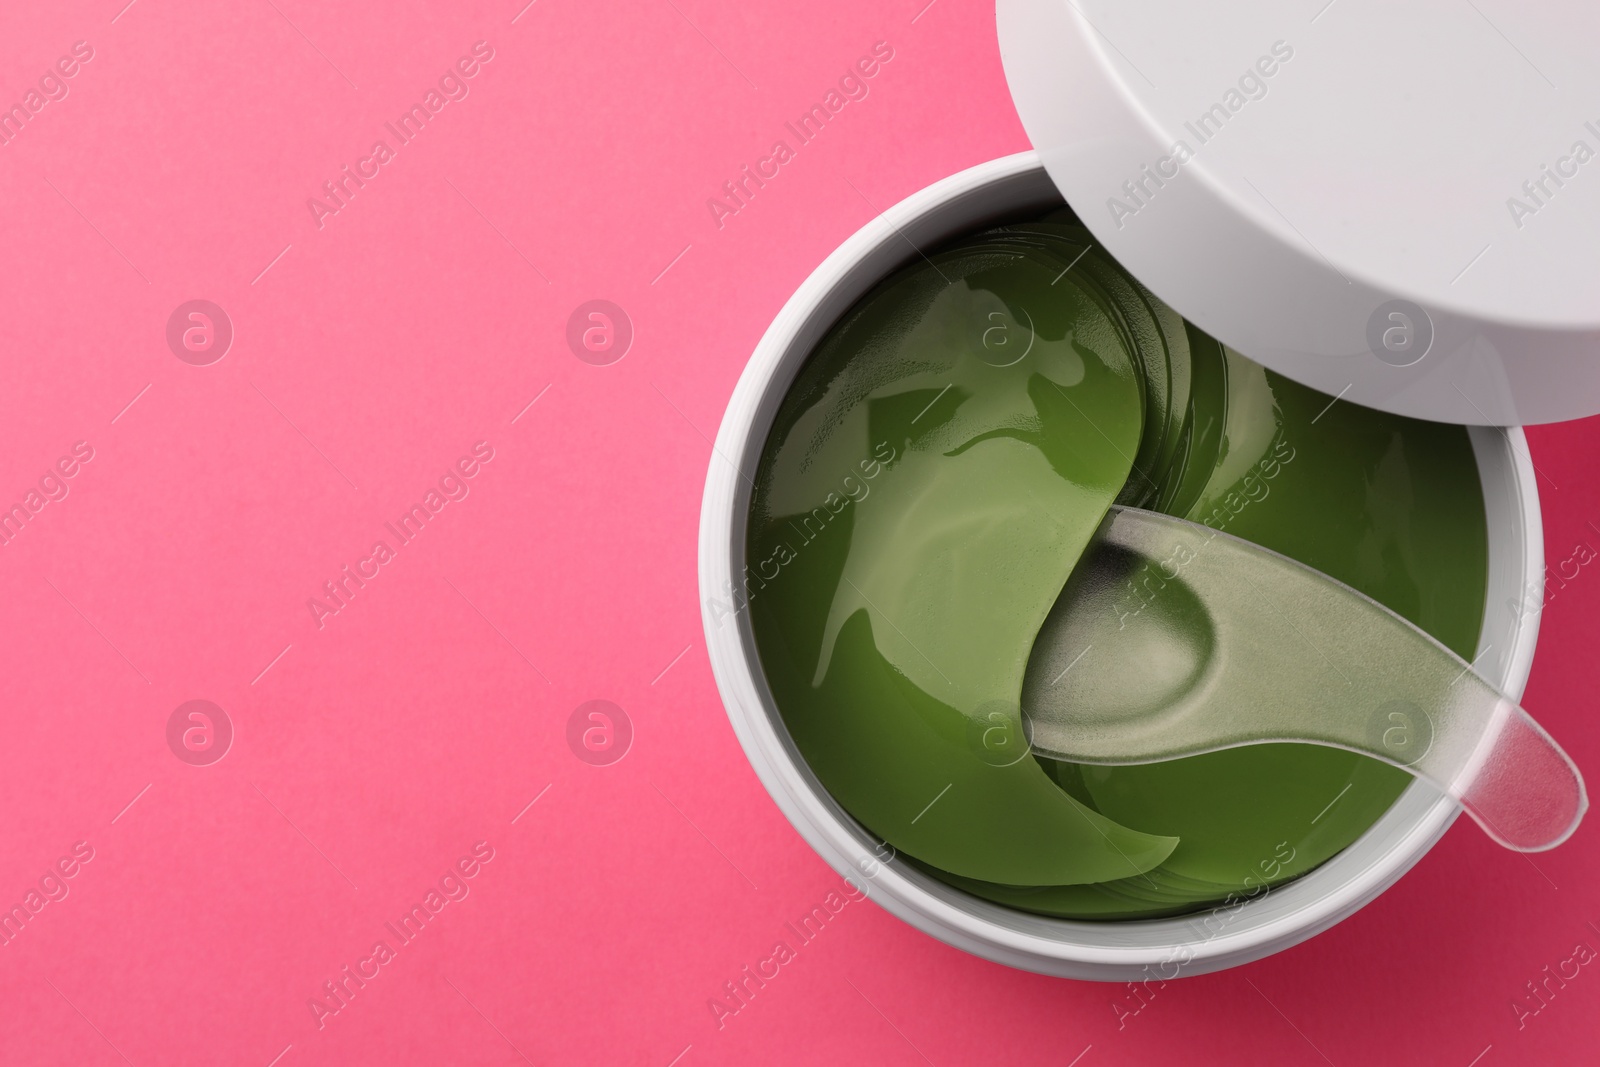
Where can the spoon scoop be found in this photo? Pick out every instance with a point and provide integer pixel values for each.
(1173, 639)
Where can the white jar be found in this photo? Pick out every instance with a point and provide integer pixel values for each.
(1011, 188)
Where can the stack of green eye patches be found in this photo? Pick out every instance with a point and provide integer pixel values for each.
(931, 480)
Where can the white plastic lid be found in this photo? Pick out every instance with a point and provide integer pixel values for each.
(1398, 204)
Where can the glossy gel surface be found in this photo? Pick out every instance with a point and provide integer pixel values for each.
(929, 483)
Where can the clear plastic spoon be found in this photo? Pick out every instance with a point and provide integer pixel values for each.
(1172, 639)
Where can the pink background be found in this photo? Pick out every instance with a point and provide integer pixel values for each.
(373, 752)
